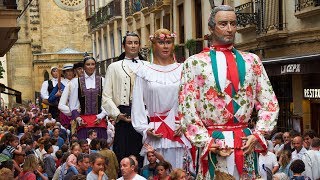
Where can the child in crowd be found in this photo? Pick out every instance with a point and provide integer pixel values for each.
(178, 174)
(297, 167)
(40, 173)
(95, 145)
(164, 169)
(58, 154)
(48, 160)
(112, 165)
(71, 160)
(97, 162)
(12, 146)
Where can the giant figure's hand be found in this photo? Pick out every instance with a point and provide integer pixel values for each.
(151, 133)
(250, 144)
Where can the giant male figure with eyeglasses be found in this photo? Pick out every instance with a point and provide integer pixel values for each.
(117, 97)
(219, 89)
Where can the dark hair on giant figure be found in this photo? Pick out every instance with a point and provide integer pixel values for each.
(123, 55)
(129, 34)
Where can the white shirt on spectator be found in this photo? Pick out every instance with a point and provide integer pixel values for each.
(311, 161)
(49, 121)
(269, 160)
(298, 155)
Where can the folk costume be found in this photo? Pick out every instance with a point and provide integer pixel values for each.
(220, 87)
(156, 88)
(46, 89)
(83, 95)
(53, 99)
(117, 98)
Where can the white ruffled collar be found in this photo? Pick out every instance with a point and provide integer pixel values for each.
(168, 74)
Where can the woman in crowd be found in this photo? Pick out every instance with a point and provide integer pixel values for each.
(156, 89)
(29, 167)
(83, 95)
(284, 161)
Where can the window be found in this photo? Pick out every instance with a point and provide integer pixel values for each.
(181, 23)
(198, 18)
(90, 8)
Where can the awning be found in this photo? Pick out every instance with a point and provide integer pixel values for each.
(291, 59)
(301, 64)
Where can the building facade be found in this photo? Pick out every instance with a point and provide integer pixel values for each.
(53, 32)
(8, 36)
(285, 34)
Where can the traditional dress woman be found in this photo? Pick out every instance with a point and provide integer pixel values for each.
(155, 95)
(83, 95)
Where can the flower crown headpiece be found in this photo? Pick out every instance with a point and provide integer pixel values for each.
(162, 36)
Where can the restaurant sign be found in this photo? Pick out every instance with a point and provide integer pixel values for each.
(311, 93)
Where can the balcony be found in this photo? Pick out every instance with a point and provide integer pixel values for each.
(158, 5)
(270, 21)
(246, 17)
(145, 6)
(307, 8)
(105, 14)
(8, 25)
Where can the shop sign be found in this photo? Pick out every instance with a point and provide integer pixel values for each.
(290, 68)
(311, 93)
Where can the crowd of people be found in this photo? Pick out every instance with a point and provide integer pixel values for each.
(158, 120)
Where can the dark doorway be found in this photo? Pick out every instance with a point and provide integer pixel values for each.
(315, 117)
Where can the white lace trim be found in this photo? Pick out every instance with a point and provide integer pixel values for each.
(169, 74)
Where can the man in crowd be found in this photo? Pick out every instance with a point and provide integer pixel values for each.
(220, 87)
(127, 167)
(311, 160)
(308, 137)
(299, 150)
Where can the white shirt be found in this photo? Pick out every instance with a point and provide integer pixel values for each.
(136, 177)
(311, 161)
(295, 155)
(40, 153)
(269, 161)
(89, 141)
(44, 88)
(49, 121)
(120, 77)
(70, 95)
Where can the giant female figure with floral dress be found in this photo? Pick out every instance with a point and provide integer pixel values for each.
(155, 95)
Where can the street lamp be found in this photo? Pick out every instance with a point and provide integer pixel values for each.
(215, 3)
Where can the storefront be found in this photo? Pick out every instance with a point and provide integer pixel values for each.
(296, 82)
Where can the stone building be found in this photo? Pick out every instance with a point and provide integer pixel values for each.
(285, 34)
(53, 32)
(8, 36)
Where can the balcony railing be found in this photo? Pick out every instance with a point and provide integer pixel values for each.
(303, 4)
(105, 13)
(133, 6)
(270, 19)
(307, 8)
(9, 4)
(246, 15)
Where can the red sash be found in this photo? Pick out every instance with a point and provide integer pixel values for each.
(164, 129)
(89, 119)
(237, 129)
